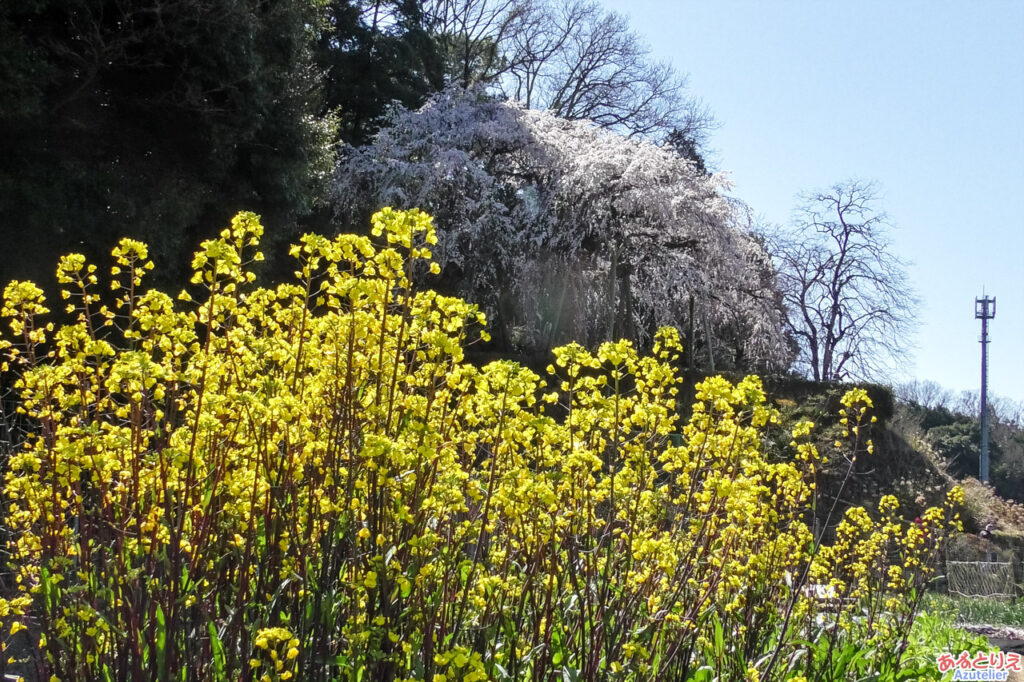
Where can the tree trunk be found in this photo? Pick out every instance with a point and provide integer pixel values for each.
(627, 329)
(613, 275)
(710, 338)
(691, 358)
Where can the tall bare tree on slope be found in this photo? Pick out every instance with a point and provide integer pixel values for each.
(576, 59)
(850, 303)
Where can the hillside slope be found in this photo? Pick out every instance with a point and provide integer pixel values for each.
(911, 460)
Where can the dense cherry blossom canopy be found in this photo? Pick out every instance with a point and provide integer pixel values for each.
(563, 231)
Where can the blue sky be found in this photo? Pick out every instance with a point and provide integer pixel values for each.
(926, 98)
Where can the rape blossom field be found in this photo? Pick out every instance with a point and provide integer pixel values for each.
(310, 482)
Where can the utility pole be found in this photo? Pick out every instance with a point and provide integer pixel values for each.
(984, 310)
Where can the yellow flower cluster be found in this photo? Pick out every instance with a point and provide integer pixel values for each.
(281, 648)
(311, 482)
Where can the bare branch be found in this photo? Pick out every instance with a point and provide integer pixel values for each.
(575, 59)
(849, 301)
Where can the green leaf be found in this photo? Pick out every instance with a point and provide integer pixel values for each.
(719, 636)
(702, 674)
(161, 643)
(218, 652)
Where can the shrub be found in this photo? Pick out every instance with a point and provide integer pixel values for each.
(310, 482)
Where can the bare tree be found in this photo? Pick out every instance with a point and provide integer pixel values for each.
(544, 35)
(605, 73)
(849, 302)
(473, 35)
(575, 59)
(966, 402)
(926, 393)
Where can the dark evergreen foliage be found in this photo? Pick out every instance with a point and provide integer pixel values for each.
(373, 55)
(157, 119)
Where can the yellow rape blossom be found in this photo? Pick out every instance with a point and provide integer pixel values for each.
(229, 454)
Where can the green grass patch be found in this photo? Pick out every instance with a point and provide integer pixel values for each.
(935, 631)
(978, 610)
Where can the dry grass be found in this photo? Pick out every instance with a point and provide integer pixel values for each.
(987, 507)
(982, 504)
